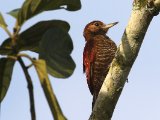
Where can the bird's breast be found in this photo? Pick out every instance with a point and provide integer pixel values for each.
(105, 48)
(104, 53)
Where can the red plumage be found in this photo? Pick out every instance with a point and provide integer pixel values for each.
(98, 53)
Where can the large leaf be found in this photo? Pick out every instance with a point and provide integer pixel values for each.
(30, 38)
(40, 67)
(6, 68)
(6, 48)
(55, 48)
(32, 7)
(2, 21)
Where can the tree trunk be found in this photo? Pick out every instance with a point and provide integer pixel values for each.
(141, 16)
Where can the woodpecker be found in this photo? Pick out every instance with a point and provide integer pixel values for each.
(98, 54)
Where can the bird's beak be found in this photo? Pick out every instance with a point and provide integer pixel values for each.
(106, 27)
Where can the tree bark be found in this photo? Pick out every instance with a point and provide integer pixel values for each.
(141, 16)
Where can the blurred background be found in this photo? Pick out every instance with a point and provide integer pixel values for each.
(140, 99)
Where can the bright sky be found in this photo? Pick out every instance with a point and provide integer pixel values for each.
(140, 97)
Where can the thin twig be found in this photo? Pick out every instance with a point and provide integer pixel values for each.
(30, 88)
(7, 31)
(25, 55)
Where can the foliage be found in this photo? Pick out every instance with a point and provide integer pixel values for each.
(49, 39)
(6, 69)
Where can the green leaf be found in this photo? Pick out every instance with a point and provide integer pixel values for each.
(55, 49)
(2, 21)
(6, 48)
(31, 8)
(70, 5)
(14, 13)
(40, 67)
(6, 68)
(30, 38)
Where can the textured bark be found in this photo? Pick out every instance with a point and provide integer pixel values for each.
(157, 3)
(126, 54)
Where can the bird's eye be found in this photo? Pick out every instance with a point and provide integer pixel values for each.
(96, 24)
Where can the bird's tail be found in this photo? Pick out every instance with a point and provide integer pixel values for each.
(94, 100)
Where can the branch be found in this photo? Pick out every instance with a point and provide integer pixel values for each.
(122, 63)
(30, 88)
(157, 3)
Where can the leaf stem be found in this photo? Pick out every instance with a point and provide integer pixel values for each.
(7, 31)
(30, 88)
(40, 67)
(26, 56)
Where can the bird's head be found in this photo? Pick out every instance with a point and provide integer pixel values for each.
(96, 28)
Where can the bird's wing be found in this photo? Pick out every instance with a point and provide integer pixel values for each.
(88, 59)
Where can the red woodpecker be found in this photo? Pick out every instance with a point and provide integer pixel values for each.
(98, 54)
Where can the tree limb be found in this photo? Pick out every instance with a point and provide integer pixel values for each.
(30, 88)
(157, 3)
(122, 63)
